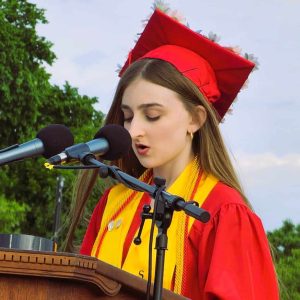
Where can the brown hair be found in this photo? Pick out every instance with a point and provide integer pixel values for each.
(208, 144)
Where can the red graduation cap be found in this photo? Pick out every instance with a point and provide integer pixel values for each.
(218, 72)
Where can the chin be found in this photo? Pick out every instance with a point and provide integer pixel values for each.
(147, 163)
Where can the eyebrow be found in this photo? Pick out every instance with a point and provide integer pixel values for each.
(142, 106)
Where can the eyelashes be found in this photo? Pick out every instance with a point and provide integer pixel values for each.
(148, 118)
(152, 119)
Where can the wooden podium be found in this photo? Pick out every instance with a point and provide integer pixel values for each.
(38, 275)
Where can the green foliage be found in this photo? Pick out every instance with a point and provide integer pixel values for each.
(286, 247)
(12, 214)
(28, 102)
(23, 79)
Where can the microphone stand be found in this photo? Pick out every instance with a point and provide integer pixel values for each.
(165, 204)
(58, 203)
(163, 221)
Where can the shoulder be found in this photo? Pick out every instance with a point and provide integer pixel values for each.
(223, 196)
(230, 219)
(228, 209)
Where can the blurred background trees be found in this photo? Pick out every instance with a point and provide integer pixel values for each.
(285, 243)
(29, 102)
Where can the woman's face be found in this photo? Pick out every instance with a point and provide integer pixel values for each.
(158, 123)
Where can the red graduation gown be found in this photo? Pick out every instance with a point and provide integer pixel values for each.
(227, 258)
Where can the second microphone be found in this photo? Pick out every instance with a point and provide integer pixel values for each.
(111, 142)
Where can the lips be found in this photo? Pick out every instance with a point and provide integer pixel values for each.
(141, 149)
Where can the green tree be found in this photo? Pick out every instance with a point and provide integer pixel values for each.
(11, 214)
(28, 102)
(24, 83)
(285, 242)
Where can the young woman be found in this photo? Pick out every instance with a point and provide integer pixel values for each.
(175, 87)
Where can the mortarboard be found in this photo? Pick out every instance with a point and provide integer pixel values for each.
(217, 71)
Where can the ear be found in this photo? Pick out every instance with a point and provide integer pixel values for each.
(198, 118)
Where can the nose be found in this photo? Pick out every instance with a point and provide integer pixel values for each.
(136, 128)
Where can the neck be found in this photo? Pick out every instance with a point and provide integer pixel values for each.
(171, 170)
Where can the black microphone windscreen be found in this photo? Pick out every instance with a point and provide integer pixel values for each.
(56, 138)
(118, 138)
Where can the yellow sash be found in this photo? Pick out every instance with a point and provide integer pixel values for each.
(121, 207)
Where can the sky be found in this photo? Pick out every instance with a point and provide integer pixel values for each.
(91, 37)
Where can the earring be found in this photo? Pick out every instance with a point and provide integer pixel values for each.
(191, 135)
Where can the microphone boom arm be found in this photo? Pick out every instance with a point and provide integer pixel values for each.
(172, 201)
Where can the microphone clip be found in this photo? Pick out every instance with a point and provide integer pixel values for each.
(79, 152)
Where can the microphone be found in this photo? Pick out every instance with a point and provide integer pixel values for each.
(48, 142)
(111, 142)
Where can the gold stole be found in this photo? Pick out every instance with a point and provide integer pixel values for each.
(120, 209)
